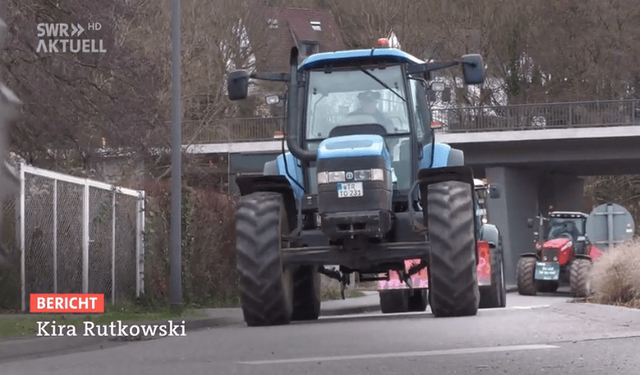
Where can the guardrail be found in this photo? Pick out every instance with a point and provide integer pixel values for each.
(453, 120)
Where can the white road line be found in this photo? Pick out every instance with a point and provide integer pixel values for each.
(527, 307)
(404, 354)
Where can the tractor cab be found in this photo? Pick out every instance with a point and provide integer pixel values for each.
(373, 98)
(562, 231)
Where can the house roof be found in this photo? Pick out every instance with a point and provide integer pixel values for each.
(289, 27)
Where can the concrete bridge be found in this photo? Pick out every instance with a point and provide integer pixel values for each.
(538, 154)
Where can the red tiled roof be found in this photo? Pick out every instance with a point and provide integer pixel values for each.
(294, 27)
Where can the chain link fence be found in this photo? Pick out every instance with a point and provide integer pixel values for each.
(76, 235)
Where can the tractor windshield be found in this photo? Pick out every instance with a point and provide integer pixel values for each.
(351, 97)
(560, 227)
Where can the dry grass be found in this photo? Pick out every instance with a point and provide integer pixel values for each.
(616, 276)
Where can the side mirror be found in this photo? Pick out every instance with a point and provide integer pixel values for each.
(530, 223)
(473, 69)
(494, 191)
(446, 95)
(238, 85)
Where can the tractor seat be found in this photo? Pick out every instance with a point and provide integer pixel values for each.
(339, 131)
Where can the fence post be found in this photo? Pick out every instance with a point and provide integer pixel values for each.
(55, 236)
(85, 238)
(113, 248)
(23, 284)
(140, 244)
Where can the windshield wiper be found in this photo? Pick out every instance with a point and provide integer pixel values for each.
(382, 83)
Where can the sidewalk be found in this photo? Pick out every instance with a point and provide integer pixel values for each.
(35, 347)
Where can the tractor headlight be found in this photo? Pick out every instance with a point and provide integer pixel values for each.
(323, 177)
(336, 176)
(374, 174)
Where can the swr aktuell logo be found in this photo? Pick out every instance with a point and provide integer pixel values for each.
(66, 303)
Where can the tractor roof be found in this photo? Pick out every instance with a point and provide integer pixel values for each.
(567, 214)
(350, 57)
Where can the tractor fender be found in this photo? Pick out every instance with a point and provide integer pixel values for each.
(529, 255)
(489, 233)
(271, 183)
(582, 256)
(443, 156)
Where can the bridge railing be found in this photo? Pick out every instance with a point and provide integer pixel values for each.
(232, 130)
(538, 116)
(453, 120)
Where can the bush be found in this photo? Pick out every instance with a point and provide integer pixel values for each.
(209, 275)
(616, 276)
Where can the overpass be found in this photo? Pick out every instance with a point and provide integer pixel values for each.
(537, 153)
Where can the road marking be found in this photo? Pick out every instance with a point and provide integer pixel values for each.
(429, 353)
(528, 307)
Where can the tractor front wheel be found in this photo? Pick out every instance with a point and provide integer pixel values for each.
(580, 277)
(265, 285)
(525, 276)
(453, 273)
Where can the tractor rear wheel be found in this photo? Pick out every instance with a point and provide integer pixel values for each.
(525, 273)
(453, 273)
(580, 277)
(394, 301)
(306, 293)
(265, 285)
(495, 295)
(419, 300)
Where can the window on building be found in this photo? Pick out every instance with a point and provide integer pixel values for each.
(309, 48)
(315, 25)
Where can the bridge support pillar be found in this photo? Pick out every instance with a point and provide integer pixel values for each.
(524, 193)
(518, 201)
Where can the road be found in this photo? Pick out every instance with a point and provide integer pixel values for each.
(533, 335)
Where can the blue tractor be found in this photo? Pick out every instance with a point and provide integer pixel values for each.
(363, 185)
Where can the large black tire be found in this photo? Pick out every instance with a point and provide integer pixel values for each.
(494, 296)
(306, 293)
(453, 273)
(419, 300)
(580, 277)
(394, 301)
(265, 285)
(545, 286)
(525, 273)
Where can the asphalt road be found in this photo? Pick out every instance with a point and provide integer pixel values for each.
(533, 335)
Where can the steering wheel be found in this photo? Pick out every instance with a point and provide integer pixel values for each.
(567, 235)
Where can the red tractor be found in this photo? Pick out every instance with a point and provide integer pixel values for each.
(563, 254)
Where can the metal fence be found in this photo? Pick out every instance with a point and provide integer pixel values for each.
(539, 116)
(453, 119)
(76, 235)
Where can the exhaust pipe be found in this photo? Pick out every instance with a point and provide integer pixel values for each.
(292, 124)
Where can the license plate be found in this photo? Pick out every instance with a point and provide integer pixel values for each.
(547, 271)
(351, 189)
